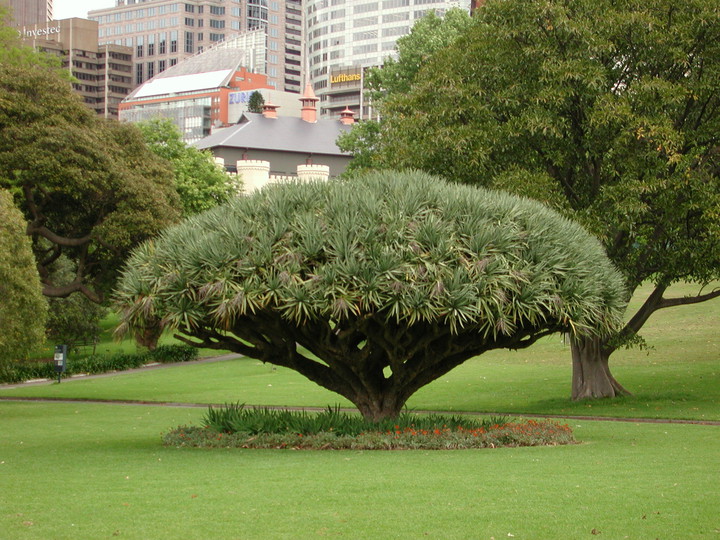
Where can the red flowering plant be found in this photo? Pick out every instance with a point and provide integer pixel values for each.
(267, 428)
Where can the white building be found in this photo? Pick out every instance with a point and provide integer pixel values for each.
(345, 36)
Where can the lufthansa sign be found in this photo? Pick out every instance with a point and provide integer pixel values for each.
(39, 32)
(344, 77)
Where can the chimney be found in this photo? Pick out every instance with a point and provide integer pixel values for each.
(270, 110)
(308, 100)
(347, 117)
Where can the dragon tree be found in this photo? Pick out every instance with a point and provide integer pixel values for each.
(374, 287)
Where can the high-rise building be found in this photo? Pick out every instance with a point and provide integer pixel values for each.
(163, 32)
(29, 12)
(103, 73)
(344, 37)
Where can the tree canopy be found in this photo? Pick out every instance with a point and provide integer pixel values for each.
(89, 189)
(374, 287)
(607, 110)
(427, 36)
(200, 183)
(256, 102)
(23, 308)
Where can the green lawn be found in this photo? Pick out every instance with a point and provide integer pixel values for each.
(83, 470)
(96, 471)
(678, 378)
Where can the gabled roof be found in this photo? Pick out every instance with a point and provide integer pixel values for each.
(285, 134)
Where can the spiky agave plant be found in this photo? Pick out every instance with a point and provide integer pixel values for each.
(373, 287)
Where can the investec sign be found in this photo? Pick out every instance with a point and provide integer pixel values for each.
(39, 32)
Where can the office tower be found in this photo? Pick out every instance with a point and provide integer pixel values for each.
(163, 32)
(344, 37)
(103, 73)
(29, 12)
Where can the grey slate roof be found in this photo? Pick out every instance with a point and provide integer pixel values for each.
(286, 134)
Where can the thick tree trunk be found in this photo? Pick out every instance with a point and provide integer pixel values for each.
(149, 337)
(591, 377)
(379, 407)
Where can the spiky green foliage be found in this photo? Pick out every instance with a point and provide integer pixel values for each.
(393, 271)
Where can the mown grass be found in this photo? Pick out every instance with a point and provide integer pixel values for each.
(678, 378)
(98, 471)
(91, 471)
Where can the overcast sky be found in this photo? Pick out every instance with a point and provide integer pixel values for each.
(65, 9)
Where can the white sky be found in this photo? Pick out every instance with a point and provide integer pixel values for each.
(65, 9)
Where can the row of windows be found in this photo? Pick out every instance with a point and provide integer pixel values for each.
(145, 71)
(137, 14)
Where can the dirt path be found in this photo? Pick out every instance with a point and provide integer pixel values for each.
(350, 409)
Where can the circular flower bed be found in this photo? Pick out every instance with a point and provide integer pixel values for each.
(237, 427)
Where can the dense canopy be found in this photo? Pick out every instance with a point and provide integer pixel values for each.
(390, 280)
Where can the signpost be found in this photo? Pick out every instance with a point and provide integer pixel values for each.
(60, 360)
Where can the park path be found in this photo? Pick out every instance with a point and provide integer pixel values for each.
(127, 402)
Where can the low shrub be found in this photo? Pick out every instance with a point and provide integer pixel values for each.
(17, 372)
(168, 354)
(234, 418)
(508, 434)
(235, 426)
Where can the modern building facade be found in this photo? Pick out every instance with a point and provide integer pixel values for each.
(344, 37)
(161, 33)
(103, 73)
(29, 12)
(210, 90)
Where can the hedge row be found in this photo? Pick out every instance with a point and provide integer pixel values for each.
(23, 371)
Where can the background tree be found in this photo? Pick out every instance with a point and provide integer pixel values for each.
(89, 189)
(396, 76)
(372, 288)
(256, 102)
(608, 110)
(199, 181)
(74, 320)
(23, 308)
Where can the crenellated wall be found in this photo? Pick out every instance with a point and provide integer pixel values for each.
(255, 174)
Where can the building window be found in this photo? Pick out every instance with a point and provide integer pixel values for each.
(365, 8)
(162, 44)
(397, 31)
(140, 47)
(161, 65)
(139, 73)
(151, 45)
(217, 37)
(217, 10)
(151, 70)
(395, 17)
(217, 24)
(189, 44)
(174, 41)
(365, 21)
(189, 21)
(189, 8)
(173, 61)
